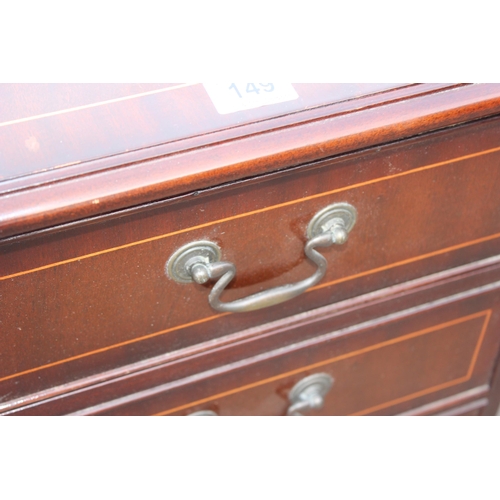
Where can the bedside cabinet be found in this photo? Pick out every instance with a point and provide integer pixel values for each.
(307, 249)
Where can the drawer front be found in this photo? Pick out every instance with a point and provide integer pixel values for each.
(442, 354)
(94, 296)
(369, 380)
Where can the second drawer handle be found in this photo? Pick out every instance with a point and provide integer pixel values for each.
(309, 394)
(200, 261)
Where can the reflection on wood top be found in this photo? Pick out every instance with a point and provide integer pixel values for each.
(47, 126)
(72, 151)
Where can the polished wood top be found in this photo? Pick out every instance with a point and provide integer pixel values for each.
(85, 150)
(51, 126)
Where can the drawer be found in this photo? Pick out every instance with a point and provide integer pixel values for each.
(92, 296)
(424, 347)
(373, 379)
(374, 370)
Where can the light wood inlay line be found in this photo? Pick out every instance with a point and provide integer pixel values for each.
(406, 261)
(95, 104)
(435, 388)
(260, 210)
(409, 397)
(478, 346)
(486, 313)
(322, 285)
(103, 349)
(210, 318)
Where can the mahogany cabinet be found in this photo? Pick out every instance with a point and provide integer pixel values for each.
(114, 198)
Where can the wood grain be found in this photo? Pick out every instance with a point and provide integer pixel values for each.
(451, 403)
(30, 206)
(51, 126)
(365, 382)
(407, 317)
(388, 354)
(354, 325)
(77, 311)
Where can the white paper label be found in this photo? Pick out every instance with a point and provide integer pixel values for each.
(232, 97)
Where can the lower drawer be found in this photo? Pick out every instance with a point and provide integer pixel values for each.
(402, 364)
(415, 348)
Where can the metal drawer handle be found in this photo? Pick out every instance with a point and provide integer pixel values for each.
(309, 393)
(200, 261)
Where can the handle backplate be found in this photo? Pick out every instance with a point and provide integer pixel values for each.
(309, 393)
(179, 265)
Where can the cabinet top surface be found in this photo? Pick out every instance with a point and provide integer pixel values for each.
(53, 126)
(73, 151)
